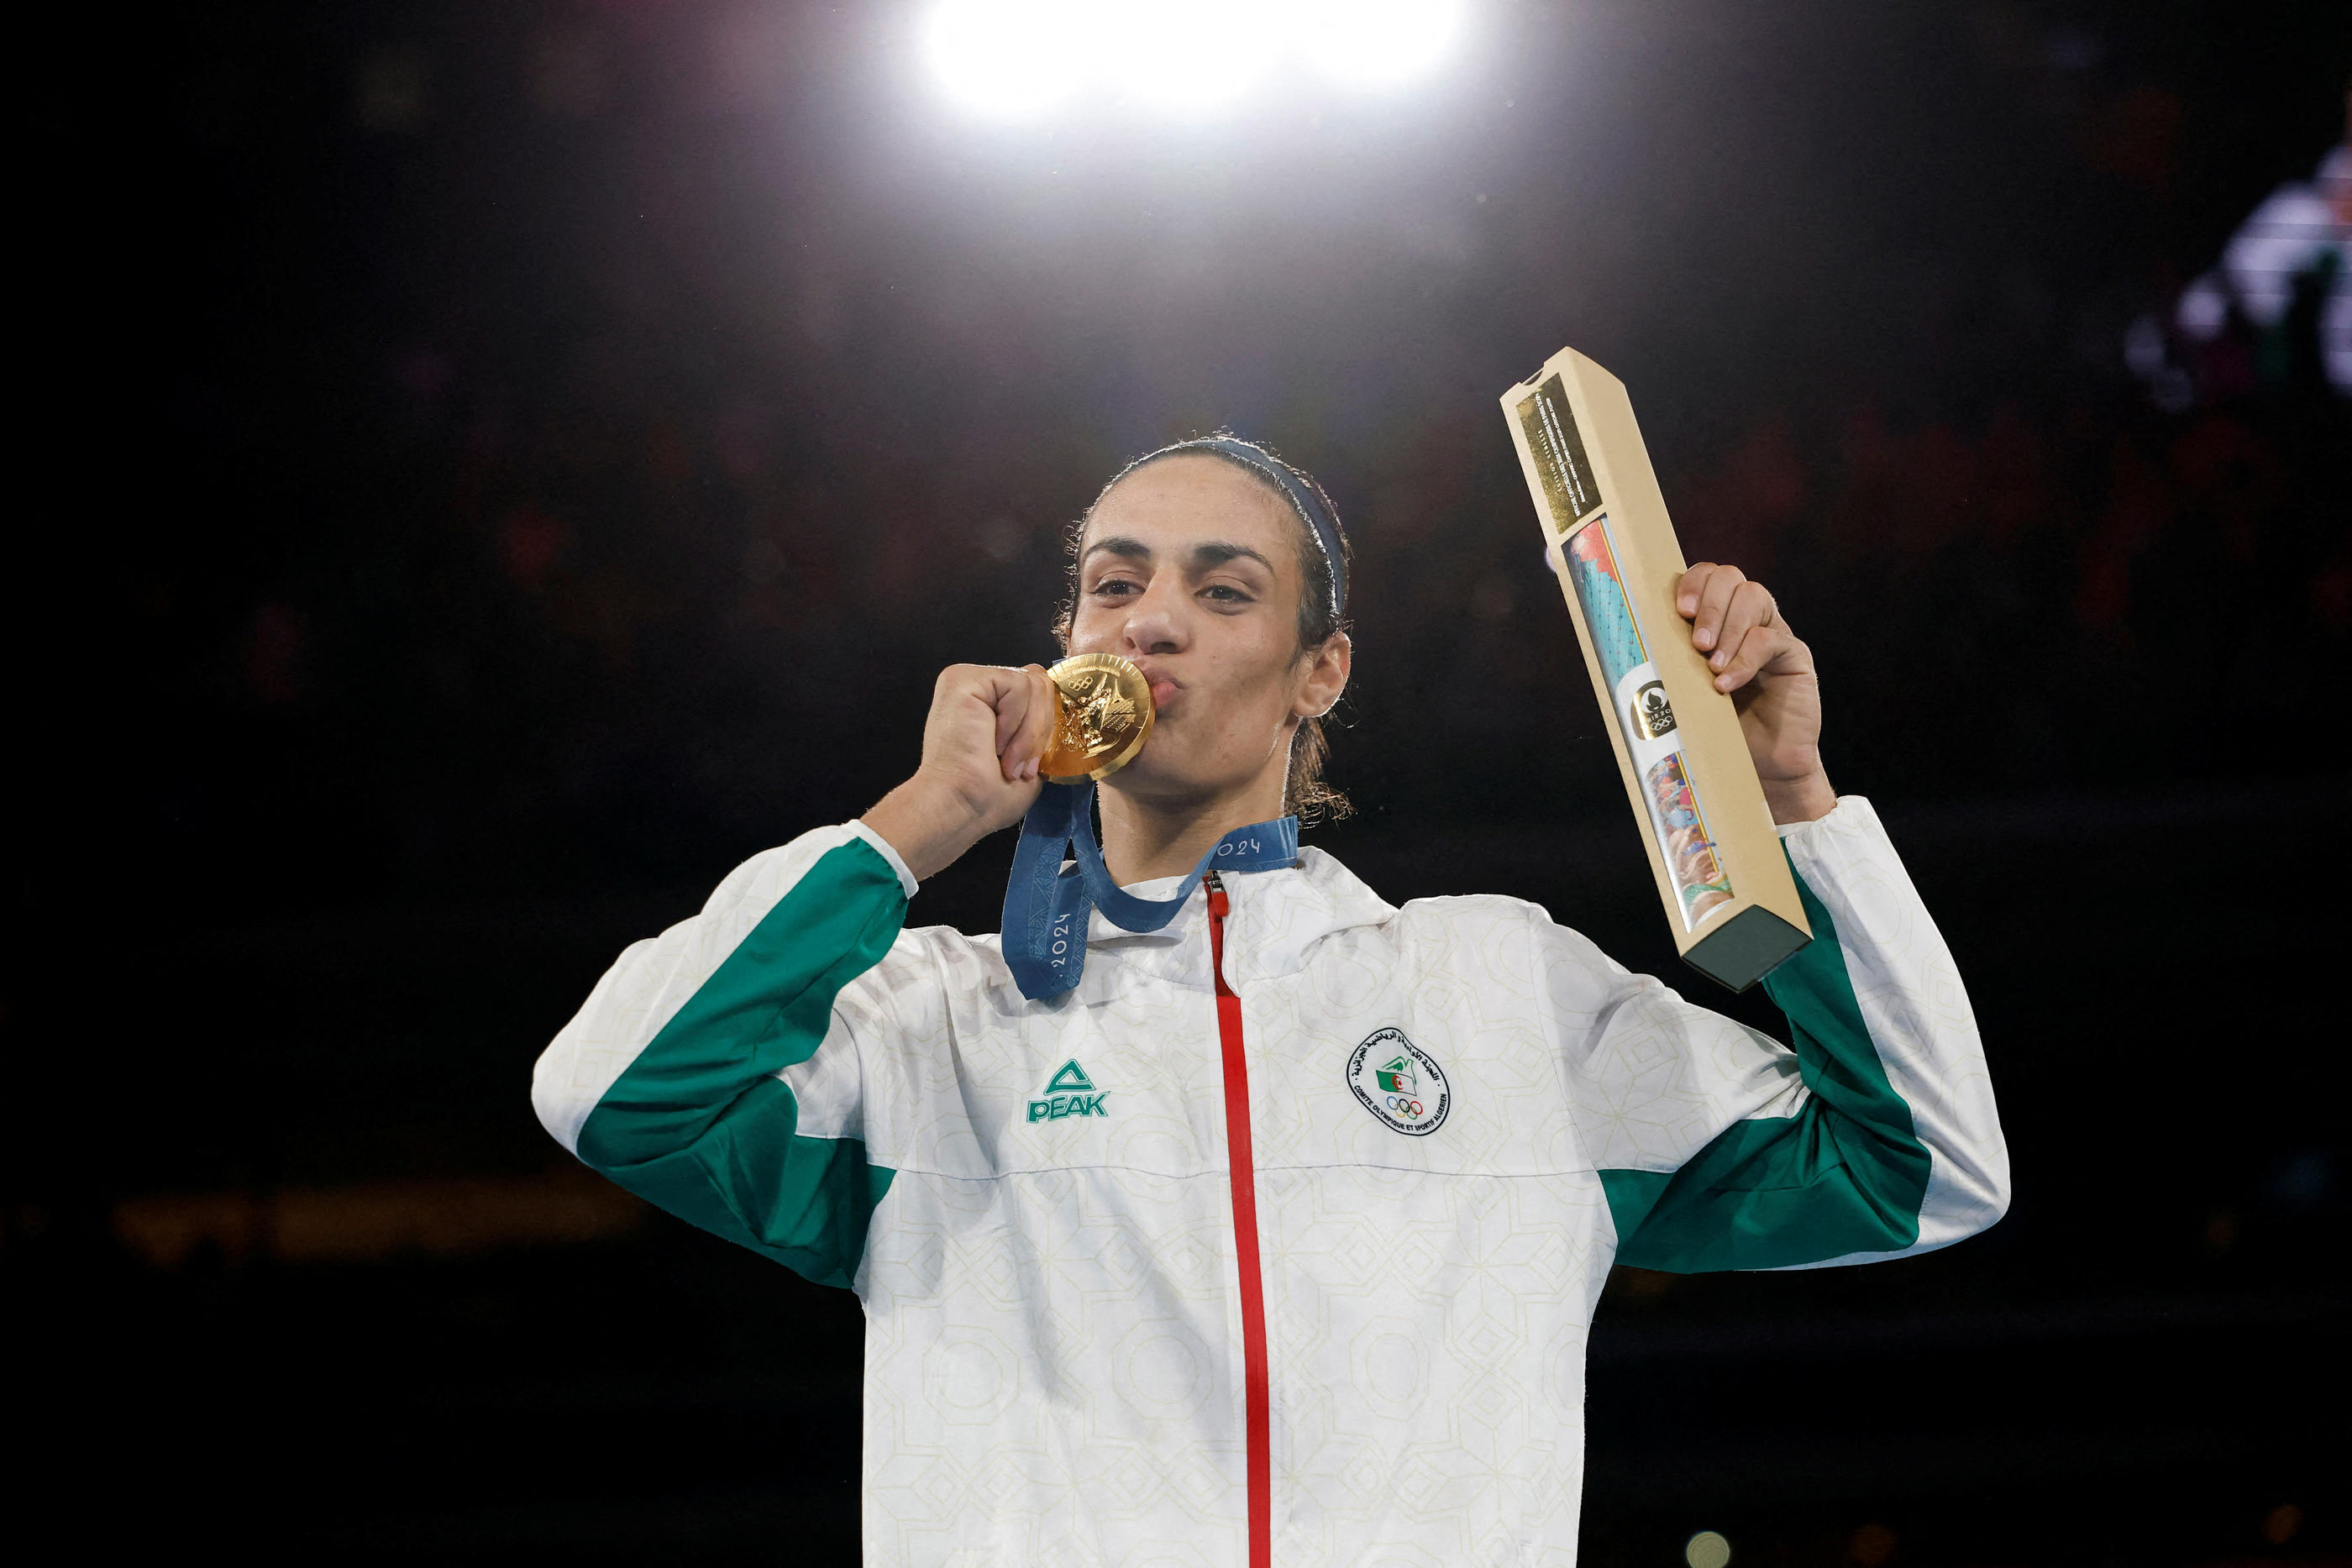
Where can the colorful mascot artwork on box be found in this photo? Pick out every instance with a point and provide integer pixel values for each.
(1646, 719)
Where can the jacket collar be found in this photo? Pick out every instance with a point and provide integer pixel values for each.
(1276, 918)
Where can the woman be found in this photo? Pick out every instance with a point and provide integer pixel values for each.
(1274, 1235)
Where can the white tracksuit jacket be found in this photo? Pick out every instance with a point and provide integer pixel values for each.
(1075, 1264)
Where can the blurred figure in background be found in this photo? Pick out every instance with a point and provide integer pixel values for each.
(2288, 275)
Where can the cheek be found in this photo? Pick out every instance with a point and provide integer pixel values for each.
(1252, 676)
(1092, 629)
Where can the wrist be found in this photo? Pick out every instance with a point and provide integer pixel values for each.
(1807, 799)
(928, 825)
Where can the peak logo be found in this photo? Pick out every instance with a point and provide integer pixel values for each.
(1069, 1093)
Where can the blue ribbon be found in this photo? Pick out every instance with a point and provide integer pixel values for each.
(1046, 907)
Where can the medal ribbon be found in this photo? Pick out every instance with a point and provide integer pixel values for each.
(1046, 907)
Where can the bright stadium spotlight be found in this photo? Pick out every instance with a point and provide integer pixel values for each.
(1375, 42)
(1189, 58)
(1015, 59)
(1010, 59)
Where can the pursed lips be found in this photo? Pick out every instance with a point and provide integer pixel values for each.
(1164, 686)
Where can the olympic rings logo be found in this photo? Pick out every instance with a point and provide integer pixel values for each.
(1400, 1084)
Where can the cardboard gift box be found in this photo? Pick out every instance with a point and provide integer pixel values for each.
(1729, 896)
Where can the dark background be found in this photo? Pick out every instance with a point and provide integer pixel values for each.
(528, 458)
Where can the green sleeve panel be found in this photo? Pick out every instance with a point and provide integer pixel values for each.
(701, 1125)
(1846, 1174)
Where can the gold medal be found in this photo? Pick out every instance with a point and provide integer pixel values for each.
(1102, 715)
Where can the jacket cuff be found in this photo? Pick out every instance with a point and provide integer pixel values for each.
(1852, 814)
(882, 847)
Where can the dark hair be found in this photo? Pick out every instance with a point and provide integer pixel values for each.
(1319, 615)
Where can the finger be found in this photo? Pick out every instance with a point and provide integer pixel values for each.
(1024, 714)
(1756, 648)
(1748, 606)
(1007, 696)
(1692, 583)
(1037, 725)
(1714, 598)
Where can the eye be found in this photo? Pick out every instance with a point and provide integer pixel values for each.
(1225, 593)
(1117, 586)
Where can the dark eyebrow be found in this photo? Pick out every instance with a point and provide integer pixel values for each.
(1133, 549)
(1215, 552)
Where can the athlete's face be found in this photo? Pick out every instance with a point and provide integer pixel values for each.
(1191, 568)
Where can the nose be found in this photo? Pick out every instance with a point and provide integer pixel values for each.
(1155, 622)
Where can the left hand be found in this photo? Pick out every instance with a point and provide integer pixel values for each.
(1770, 675)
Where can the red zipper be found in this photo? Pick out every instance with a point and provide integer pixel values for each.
(1245, 1185)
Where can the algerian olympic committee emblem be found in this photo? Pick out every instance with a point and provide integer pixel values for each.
(1399, 1084)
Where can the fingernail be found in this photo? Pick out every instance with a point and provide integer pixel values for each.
(1703, 637)
(1718, 660)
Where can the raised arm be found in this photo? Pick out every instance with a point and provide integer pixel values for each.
(1873, 1133)
(667, 1079)
(672, 1078)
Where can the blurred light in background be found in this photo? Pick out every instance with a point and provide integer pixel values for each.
(1872, 1545)
(1185, 58)
(1011, 58)
(1707, 1550)
(1017, 60)
(1375, 42)
(371, 1221)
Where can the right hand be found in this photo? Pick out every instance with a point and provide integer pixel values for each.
(987, 728)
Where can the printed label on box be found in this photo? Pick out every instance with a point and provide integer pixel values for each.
(1647, 720)
(1559, 447)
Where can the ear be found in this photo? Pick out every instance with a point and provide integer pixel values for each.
(1323, 676)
